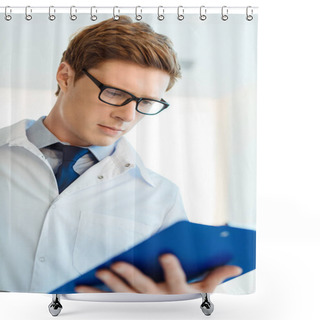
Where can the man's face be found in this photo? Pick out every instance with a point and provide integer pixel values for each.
(82, 119)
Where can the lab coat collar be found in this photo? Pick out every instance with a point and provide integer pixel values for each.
(42, 137)
(125, 155)
(15, 135)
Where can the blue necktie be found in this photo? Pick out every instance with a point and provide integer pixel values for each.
(65, 174)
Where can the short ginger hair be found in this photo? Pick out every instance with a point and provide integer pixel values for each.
(123, 40)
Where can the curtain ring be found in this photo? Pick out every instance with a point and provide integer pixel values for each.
(138, 16)
(249, 16)
(203, 12)
(7, 16)
(224, 13)
(52, 16)
(116, 16)
(28, 16)
(73, 17)
(180, 15)
(93, 17)
(160, 16)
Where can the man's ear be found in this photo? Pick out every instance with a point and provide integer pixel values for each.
(65, 76)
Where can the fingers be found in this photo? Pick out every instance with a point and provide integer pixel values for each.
(175, 277)
(136, 279)
(87, 289)
(113, 281)
(125, 277)
(110, 280)
(215, 277)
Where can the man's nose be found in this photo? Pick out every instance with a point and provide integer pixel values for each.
(126, 113)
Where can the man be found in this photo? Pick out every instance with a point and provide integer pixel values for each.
(73, 191)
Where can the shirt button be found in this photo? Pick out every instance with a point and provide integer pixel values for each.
(100, 177)
(127, 165)
(42, 259)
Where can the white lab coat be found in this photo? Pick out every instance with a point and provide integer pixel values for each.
(47, 238)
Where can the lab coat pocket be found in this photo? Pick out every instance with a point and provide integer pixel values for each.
(101, 237)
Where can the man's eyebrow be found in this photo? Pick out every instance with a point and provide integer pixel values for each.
(145, 97)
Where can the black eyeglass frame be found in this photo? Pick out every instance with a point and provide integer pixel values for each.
(102, 87)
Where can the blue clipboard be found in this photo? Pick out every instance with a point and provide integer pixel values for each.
(198, 247)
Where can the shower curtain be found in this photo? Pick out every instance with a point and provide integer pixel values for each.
(162, 107)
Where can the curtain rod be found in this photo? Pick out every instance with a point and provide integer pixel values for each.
(126, 9)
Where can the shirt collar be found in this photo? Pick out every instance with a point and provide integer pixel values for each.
(124, 152)
(41, 137)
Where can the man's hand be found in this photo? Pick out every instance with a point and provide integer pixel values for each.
(175, 279)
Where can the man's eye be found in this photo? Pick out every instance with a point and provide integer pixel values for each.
(113, 93)
(147, 103)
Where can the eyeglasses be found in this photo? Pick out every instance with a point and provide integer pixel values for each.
(118, 97)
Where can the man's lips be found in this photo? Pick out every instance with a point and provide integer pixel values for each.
(112, 128)
(110, 131)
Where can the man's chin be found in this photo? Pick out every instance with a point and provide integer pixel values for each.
(105, 142)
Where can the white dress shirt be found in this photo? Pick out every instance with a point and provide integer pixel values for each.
(47, 238)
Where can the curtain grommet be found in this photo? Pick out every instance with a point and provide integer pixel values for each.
(138, 16)
(7, 16)
(249, 17)
(93, 17)
(28, 16)
(180, 13)
(160, 16)
(73, 17)
(203, 11)
(116, 17)
(224, 13)
(52, 16)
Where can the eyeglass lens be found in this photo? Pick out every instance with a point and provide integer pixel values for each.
(119, 97)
